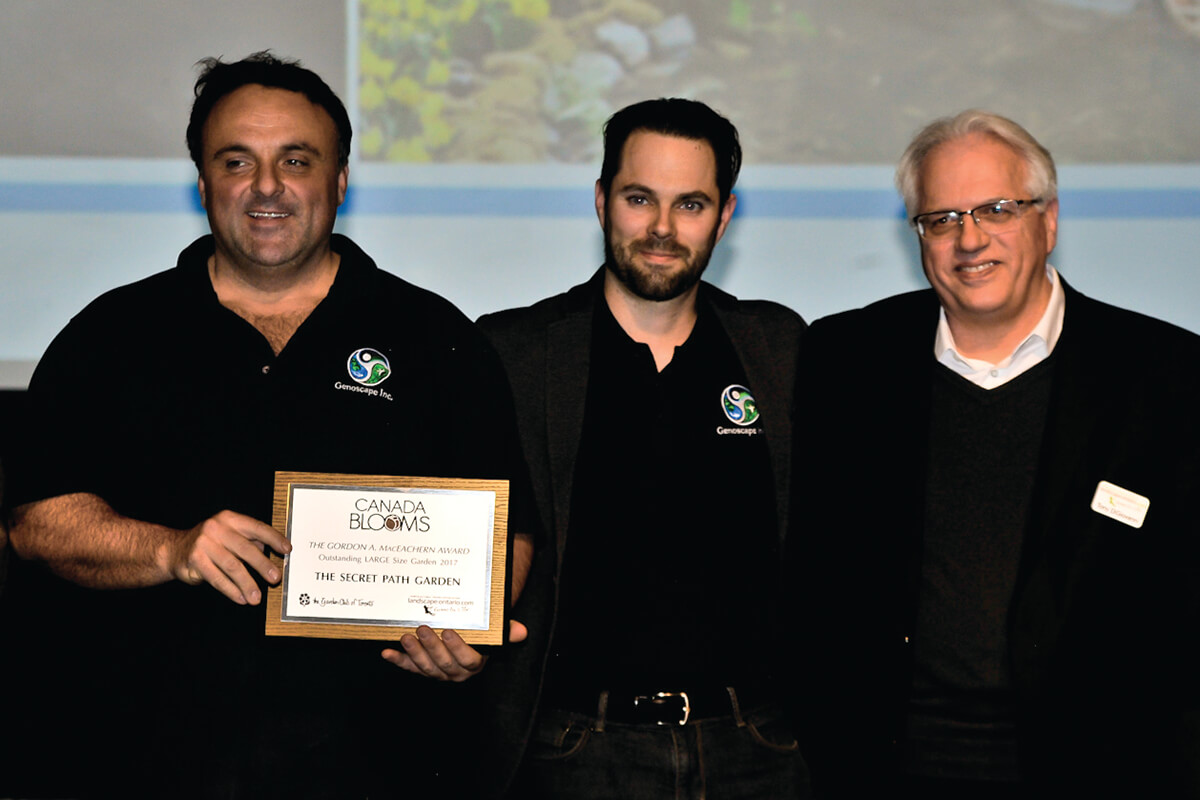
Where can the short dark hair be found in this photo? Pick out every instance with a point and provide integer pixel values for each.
(687, 119)
(219, 79)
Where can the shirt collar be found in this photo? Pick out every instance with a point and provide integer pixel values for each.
(608, 333)
(1037, 346)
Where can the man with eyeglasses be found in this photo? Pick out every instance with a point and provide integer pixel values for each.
(998, 584)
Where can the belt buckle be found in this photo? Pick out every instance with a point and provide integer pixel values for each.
(659, 698)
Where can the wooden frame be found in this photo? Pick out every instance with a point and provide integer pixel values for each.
(341, 488)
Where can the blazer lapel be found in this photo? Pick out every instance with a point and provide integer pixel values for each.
(567, 362)
(1074, 416)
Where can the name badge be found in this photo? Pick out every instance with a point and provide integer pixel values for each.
(1120, 504)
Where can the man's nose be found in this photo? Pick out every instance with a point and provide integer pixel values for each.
(663, 224)
(266, 181)
(971, 237)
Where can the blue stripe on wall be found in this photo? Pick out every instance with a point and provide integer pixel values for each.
(471, 202)
(58, 198)
(90, 198)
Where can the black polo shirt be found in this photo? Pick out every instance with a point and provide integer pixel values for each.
(171, 408)
(673, 533)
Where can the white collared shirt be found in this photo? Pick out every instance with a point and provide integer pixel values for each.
(1028, 354)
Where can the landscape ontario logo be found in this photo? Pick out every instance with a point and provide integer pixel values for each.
(739, 405)
(368, 367)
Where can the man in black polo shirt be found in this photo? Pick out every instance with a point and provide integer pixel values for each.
(159, 416)
(654, 412)
(1000, 560)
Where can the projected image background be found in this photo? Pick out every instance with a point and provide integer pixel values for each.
(813, 83)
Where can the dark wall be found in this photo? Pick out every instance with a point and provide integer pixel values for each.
(11, 411)
(36, 660)
(12, 404)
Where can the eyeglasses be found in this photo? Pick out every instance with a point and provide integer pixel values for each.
(995, 217)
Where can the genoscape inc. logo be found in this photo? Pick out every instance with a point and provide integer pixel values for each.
(738, 405)
(368, 367)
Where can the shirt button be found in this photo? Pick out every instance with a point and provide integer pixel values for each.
(266, 369)
(995, 373)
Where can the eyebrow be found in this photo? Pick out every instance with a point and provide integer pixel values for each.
(696, 194)
(291, 147)
(972, 208)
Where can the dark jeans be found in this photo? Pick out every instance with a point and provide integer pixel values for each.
(751, 755)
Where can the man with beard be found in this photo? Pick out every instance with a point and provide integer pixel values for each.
(654, 412)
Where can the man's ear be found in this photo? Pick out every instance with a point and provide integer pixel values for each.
(601, 202)
(726, 215)
(1050, 220)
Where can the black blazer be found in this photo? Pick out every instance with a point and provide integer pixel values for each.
(545, 349)
(1104, 625)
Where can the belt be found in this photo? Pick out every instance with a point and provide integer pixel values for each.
(665, 706)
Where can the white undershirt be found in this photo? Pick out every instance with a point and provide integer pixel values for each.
(1028, 354)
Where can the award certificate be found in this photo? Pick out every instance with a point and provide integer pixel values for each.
(375, 556)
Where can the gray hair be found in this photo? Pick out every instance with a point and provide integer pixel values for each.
(1043, 179)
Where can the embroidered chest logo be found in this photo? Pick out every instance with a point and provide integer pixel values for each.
(368, 367)
(738, 405)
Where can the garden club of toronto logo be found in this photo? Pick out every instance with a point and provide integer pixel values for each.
(738, 405)
(369, 367)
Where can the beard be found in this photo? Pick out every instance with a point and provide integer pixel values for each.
(656, 284)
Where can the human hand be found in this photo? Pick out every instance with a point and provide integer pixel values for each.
(222, 550)
(447, 658)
